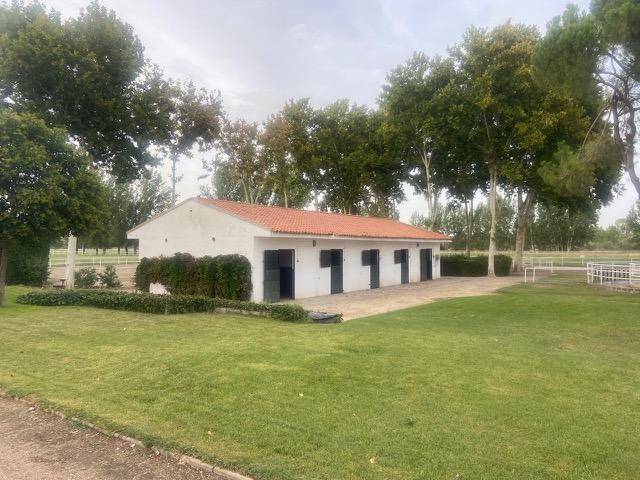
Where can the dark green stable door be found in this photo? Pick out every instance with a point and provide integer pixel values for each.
(336, 271)
(404, 266)
(374, 272)
(426, 264)
(271, 275)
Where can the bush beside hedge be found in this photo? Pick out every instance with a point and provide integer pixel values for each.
(223, 276)
(160, 304)
(463, 266)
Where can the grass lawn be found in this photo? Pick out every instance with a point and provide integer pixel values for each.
(539, 382)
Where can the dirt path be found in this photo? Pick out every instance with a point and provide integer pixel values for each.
(36, 445)
(386, 299)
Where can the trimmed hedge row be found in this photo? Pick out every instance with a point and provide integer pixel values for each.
(463, 266)
(160, 304)
(223, 276)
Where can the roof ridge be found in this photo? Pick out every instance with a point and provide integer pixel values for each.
(321, 212)
(313, 222)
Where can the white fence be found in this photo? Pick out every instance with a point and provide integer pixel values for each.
(613, 273)
(58, 258)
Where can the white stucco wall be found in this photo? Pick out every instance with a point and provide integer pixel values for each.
(311, 280)
(191, 227)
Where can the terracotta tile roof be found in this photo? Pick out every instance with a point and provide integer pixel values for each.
(307, 222)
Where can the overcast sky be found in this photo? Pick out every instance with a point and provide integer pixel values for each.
(260, 53)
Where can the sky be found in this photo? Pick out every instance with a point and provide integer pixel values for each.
(261, 53)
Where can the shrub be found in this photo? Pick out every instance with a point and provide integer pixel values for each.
(223, 276)
(463, 266)
(29, 264)
(86, 277)
(109, 277)
(160, 304)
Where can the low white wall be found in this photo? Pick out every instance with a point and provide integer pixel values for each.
(311, 280)
(158, 289)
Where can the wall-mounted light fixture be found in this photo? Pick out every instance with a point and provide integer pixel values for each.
(166, 240)
(213, 239)
(314, 243)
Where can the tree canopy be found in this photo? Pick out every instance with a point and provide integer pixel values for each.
(47, 186)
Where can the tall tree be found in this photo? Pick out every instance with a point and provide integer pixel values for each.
(242, 166)
(131, 203)
(288, 186)
(493, 68)
(87, 74)
(563, 228)
(599, 51)
(195, 122)
(47, 187)
(407, 104)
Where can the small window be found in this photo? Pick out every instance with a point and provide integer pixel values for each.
(325, 258)
(401, 256)
(366, 258)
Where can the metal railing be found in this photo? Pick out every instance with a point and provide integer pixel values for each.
(539, 262)
(613, 273)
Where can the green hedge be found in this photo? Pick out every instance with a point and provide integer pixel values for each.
(224, 276)
(29, 264)
(463, 266)
(161, 304)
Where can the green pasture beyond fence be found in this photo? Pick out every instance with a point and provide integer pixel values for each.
(110, 256)
(567, 259)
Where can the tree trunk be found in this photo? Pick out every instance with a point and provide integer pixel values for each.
(432, 193)
(286, 199)
(522, 220)
(4, 263)
(493, 193)
(630, 153)
(468, 213)
(174, 179)
(70, 274)
(627, 146)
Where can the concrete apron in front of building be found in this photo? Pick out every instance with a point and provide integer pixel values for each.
(363, 303)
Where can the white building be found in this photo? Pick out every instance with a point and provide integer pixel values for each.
(296, 253)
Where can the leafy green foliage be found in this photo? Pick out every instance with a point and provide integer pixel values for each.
(47, 186)
(223, 276)
(109, 277)
(160, 304)
(453, 223)
(29, 264)
(463, 266)
(129, 204)
(558, 227)
(632, 225)
(88, 75)
(86, 277)
(594, 56)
